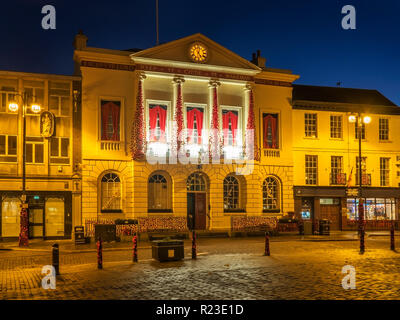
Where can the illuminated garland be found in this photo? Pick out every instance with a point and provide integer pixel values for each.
(138, 139)
(179, 139)
(251, 139)
(214, 140)
(23, 235)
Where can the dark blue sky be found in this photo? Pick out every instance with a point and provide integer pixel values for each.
(304, 36)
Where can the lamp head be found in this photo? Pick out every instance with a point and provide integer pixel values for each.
(35, 108)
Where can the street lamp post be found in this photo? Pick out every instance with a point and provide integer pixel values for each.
(13, 107)
(360, 120)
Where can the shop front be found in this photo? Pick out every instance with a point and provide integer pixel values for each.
(317, 203)
(50, 215)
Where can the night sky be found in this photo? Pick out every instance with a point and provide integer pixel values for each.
(303, 36)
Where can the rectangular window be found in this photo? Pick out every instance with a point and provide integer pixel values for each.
(8, 148)
(310, 125)
(6, 96)
(60, 98)
(230, 121)
(270, 131)
(34, 150)
(110, 120)
(383, 129)
(311, 166)
(158, 114)
(384, 171)
(337, 175)
(59, 150)
(374, 209)
(195, 124)
(362, 130)
(35, 93)
(336, 127)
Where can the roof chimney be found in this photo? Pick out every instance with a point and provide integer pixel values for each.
(258, 60)
(80, 41)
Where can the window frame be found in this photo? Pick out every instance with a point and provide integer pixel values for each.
(239, 207)
(279, 130)
(311, 168)
(384, 173)
(121, 99)
(101, 177)
(168, 183)
(168, 130)
(60, 152)
(278, 195)
(383, 131)
(336, 129)
(34, 143)
(8, 99)
(206, 124)
(59, 114)
(238, 109)
(307, 124)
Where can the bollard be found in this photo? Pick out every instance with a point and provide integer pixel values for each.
(392, 247)
(194, 247)
(99, 254)
(266, 252)
(56, 258)
(134, 240)
(362, 240)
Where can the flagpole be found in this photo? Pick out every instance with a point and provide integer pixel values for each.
(157, 41)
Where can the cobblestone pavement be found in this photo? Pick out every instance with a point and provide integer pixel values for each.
(225, 269)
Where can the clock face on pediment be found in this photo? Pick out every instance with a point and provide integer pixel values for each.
(198, 52)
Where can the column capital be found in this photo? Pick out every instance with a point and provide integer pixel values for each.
(249, 86)
(214, 83)
(141, 76)
(178, 79)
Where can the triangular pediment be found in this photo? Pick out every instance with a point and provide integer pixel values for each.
(179, 51)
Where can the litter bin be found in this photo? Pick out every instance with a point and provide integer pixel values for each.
(107, 232)
(324, 228)
(167, 250)
(307, 227)
(79, 232)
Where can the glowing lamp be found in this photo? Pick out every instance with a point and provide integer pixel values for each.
(367, 119)
(13, 106)
(35, 108)
(352, 118)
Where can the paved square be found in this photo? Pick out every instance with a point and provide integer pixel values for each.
(232, 268)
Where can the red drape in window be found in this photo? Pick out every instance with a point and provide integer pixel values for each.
(115, 119)
(105, 110)
(108, 109)
(270, 124)
(190, 123)
(233, 119)
(161, 114)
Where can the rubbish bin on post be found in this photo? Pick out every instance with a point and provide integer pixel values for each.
(79, 232)
(167, 250)
(324, 227)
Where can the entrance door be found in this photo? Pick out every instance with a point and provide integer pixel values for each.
(330, 209)
(197, 211)
(35, 222)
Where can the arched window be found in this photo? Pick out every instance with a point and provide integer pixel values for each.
(196, 182)
(271, 194)
(159, 193)
(231, 193)
(111, 193)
